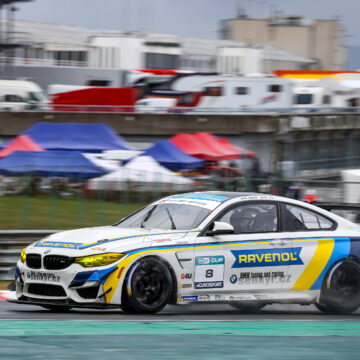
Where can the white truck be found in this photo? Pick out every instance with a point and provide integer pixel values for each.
(222, 94)
(21, 95)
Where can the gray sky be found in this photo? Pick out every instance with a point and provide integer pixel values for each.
(183, 17)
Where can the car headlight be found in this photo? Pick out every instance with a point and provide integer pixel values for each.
(23, 255)
(98, 260)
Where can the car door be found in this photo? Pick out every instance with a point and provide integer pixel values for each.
(312, 239)
(254, 258)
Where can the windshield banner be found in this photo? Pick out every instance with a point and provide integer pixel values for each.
(206, 201)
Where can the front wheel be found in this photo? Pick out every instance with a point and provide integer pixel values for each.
(340, 293)
(148, 286)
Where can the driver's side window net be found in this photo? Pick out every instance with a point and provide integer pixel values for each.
(252, 218)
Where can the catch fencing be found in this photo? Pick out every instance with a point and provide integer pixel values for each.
(74, 207)
(11, 244)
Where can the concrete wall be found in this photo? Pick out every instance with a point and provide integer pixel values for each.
(13, 123)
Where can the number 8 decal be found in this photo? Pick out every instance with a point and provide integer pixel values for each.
(209, 273)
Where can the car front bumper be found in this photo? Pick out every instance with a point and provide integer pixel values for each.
(69, 287)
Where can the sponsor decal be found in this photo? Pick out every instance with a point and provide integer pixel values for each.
(54, 244)
(219, 298)
(267, 257)
(185, 286)
(98, 248)
(189, 298)
(233, 279)
(209, 285)
(209, 272)
(162, 240)
(240, 297)
(257, 197)
(206, 260)
(263, 278)
(47, 277)
(186, 276)
(207, 201)
(204, 297)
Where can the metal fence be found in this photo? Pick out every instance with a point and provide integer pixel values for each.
(11, 244)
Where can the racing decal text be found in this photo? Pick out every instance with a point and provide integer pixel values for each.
(264, 257)
(269, 277)
(42, 276)
(209, 272)
(66, 245)
(189, 298)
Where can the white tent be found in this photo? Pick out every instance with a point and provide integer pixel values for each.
(143, 173)
(108, 165)
(119, 155)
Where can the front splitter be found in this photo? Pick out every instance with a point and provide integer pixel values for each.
(68, 304)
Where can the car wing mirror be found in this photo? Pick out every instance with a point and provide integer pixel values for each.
(220, 228)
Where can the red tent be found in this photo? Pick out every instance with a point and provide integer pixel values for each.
(191, 145)
(243, 152)
(212, 143)
(22, 142)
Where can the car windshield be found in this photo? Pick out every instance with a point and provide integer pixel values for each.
(36, 96)
(166, 217)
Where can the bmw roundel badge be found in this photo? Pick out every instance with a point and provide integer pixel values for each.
(233, 279)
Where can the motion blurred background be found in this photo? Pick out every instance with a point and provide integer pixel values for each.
(106, 106)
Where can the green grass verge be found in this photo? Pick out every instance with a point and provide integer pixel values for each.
(4, 284)
(47, 212)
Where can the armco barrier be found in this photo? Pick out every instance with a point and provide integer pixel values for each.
(11, 244)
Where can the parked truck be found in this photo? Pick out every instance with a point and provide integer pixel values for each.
(88, 98)
(219, 93)
(21, 95)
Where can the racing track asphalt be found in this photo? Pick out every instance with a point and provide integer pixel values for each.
(288, 332)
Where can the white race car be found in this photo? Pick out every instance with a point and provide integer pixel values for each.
(245, 249)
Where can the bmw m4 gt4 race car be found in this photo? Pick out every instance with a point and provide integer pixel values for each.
(244, 249)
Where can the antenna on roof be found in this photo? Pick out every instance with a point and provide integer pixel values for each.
(240, 9)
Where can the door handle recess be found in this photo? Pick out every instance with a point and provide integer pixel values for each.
(278, 242)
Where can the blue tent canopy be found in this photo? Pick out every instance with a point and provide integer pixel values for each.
(49, 163)
(171, 157)
(72, 136)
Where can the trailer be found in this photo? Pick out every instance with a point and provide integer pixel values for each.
(219, 93)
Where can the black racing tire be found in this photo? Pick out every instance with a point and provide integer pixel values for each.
(247, 306)
(57, 308)
(147, 287)
(340, 293)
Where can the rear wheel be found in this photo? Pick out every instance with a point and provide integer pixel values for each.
(148, 286)
(340, 293)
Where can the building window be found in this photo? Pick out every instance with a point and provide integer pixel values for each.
(213, 91)
(274, 88)
(241, 90)
(161, 61)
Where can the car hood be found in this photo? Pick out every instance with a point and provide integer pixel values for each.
(112, 236)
